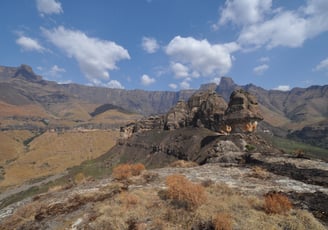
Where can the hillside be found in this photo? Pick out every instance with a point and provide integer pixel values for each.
(287, 110)
(208, 167)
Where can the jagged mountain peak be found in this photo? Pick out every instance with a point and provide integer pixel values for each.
(26, 72)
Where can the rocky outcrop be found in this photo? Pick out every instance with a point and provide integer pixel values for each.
(146, 124)
(177, 117)
(242, 114)
(205, 109)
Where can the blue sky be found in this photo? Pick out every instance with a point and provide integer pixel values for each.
(168, 44)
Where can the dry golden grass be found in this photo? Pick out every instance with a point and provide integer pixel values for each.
(184, 192)
(183, 164)
(260, 172)
(7, 110)
(142, 207)
(276, 203)
(52, 153)
(222, 221)
(80, 178)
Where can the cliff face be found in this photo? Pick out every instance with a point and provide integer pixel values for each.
(290, 110)
(205, 109)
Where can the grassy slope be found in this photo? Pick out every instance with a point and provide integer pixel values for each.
(52, 153)
(290, 146)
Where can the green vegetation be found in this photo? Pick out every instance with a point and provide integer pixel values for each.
(290, 146)
(22, 195)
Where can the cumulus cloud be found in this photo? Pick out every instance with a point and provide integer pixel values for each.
(282, 88)
(244, 12)
(199, 57)
(55, 71)
(94, 56)
(261, 25)
(29, 44)
(173, 86)
(322, 66)
(150, 45)
(179, 70)
(272, 33)
(146, 80)
(48, 7)
(259, 70)
(185, 85)
(216, 80)
(114, 84)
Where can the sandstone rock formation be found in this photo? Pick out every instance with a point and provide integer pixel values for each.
(242, 114)
(205, 109)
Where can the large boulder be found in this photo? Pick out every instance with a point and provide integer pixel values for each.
(242, 113)
(203, 109)
(210, 113)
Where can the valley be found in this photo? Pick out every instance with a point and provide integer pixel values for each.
(59, 144)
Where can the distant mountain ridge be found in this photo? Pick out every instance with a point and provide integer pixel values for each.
(292, 109)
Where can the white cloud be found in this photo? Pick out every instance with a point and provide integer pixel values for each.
(201, 57)
(150, 45)
(94, 56)
(259, 70)
(282, 88)
(261, 25)
(216, 80)
(55, 71)
(272, 33)
(185, 85)
(322, 66)
(146, 80)
(29, 44)
(49, 7)
(114, 84)
(244, 12)
(179, 70)
(173, 86)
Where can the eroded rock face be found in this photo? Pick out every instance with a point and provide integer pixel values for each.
(150, 123)
(242, 114)
(205, 109)
(210, 113)
(177, 117)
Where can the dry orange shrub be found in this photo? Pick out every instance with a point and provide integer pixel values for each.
(276, 203)
(124, 171)
(128, 199)
(185, 192)
(222, 221)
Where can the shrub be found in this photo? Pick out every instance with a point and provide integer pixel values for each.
(128, 199)
(260, 172)
(136, 169)
(222, 221)
(79, 178)
(276, 203)
(124, 171)
(184, 192)
(250, 148)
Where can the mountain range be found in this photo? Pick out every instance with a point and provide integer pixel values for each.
(26, 95)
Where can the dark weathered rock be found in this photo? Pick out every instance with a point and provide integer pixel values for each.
(177, 117)
(242, 113)
(207, 110)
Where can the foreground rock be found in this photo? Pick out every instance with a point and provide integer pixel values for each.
(106, 202)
